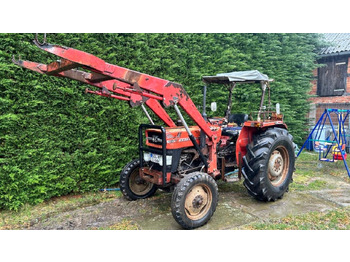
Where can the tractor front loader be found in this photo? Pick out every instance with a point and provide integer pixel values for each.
(186, 159)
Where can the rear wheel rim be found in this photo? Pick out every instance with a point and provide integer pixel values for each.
(137, 185)
(198, 201)
(278, 166)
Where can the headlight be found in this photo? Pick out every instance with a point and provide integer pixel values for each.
(155, 158)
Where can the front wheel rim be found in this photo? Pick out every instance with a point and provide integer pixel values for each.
(198, 201)
(137, 185)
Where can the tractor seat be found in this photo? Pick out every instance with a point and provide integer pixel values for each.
(231, 131)
(239, 119)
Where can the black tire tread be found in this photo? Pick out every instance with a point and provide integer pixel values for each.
(124, 182)
(177, 207)
(254, 164)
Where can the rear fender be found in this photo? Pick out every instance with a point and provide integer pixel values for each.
(246, 136)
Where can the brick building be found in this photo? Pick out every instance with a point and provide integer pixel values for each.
(331, 86)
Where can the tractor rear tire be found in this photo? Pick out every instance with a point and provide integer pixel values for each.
(194, 200)
(132, 185)
(268, 165)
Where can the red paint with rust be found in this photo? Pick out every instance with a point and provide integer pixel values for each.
(249, 129)
(154, 176)
(176, 137)
(170, 91)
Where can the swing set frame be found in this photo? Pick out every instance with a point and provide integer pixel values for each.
(333, 148)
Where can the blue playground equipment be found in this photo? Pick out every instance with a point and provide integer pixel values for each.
(331, 145)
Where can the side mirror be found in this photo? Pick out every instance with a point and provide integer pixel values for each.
(213, 106)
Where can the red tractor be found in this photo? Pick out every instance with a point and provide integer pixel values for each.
(182, 158)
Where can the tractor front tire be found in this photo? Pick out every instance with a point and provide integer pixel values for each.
(132, 185)
(194, 200)
(269, 164)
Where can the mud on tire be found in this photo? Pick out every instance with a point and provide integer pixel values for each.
(269, 164)
(194, 200)
(132, 185)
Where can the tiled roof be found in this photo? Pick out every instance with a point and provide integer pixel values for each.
(338, 43)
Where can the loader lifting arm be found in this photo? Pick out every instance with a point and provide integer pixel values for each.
(108, 85)
(124, 84)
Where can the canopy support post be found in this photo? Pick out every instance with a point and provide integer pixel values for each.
(263, 88)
